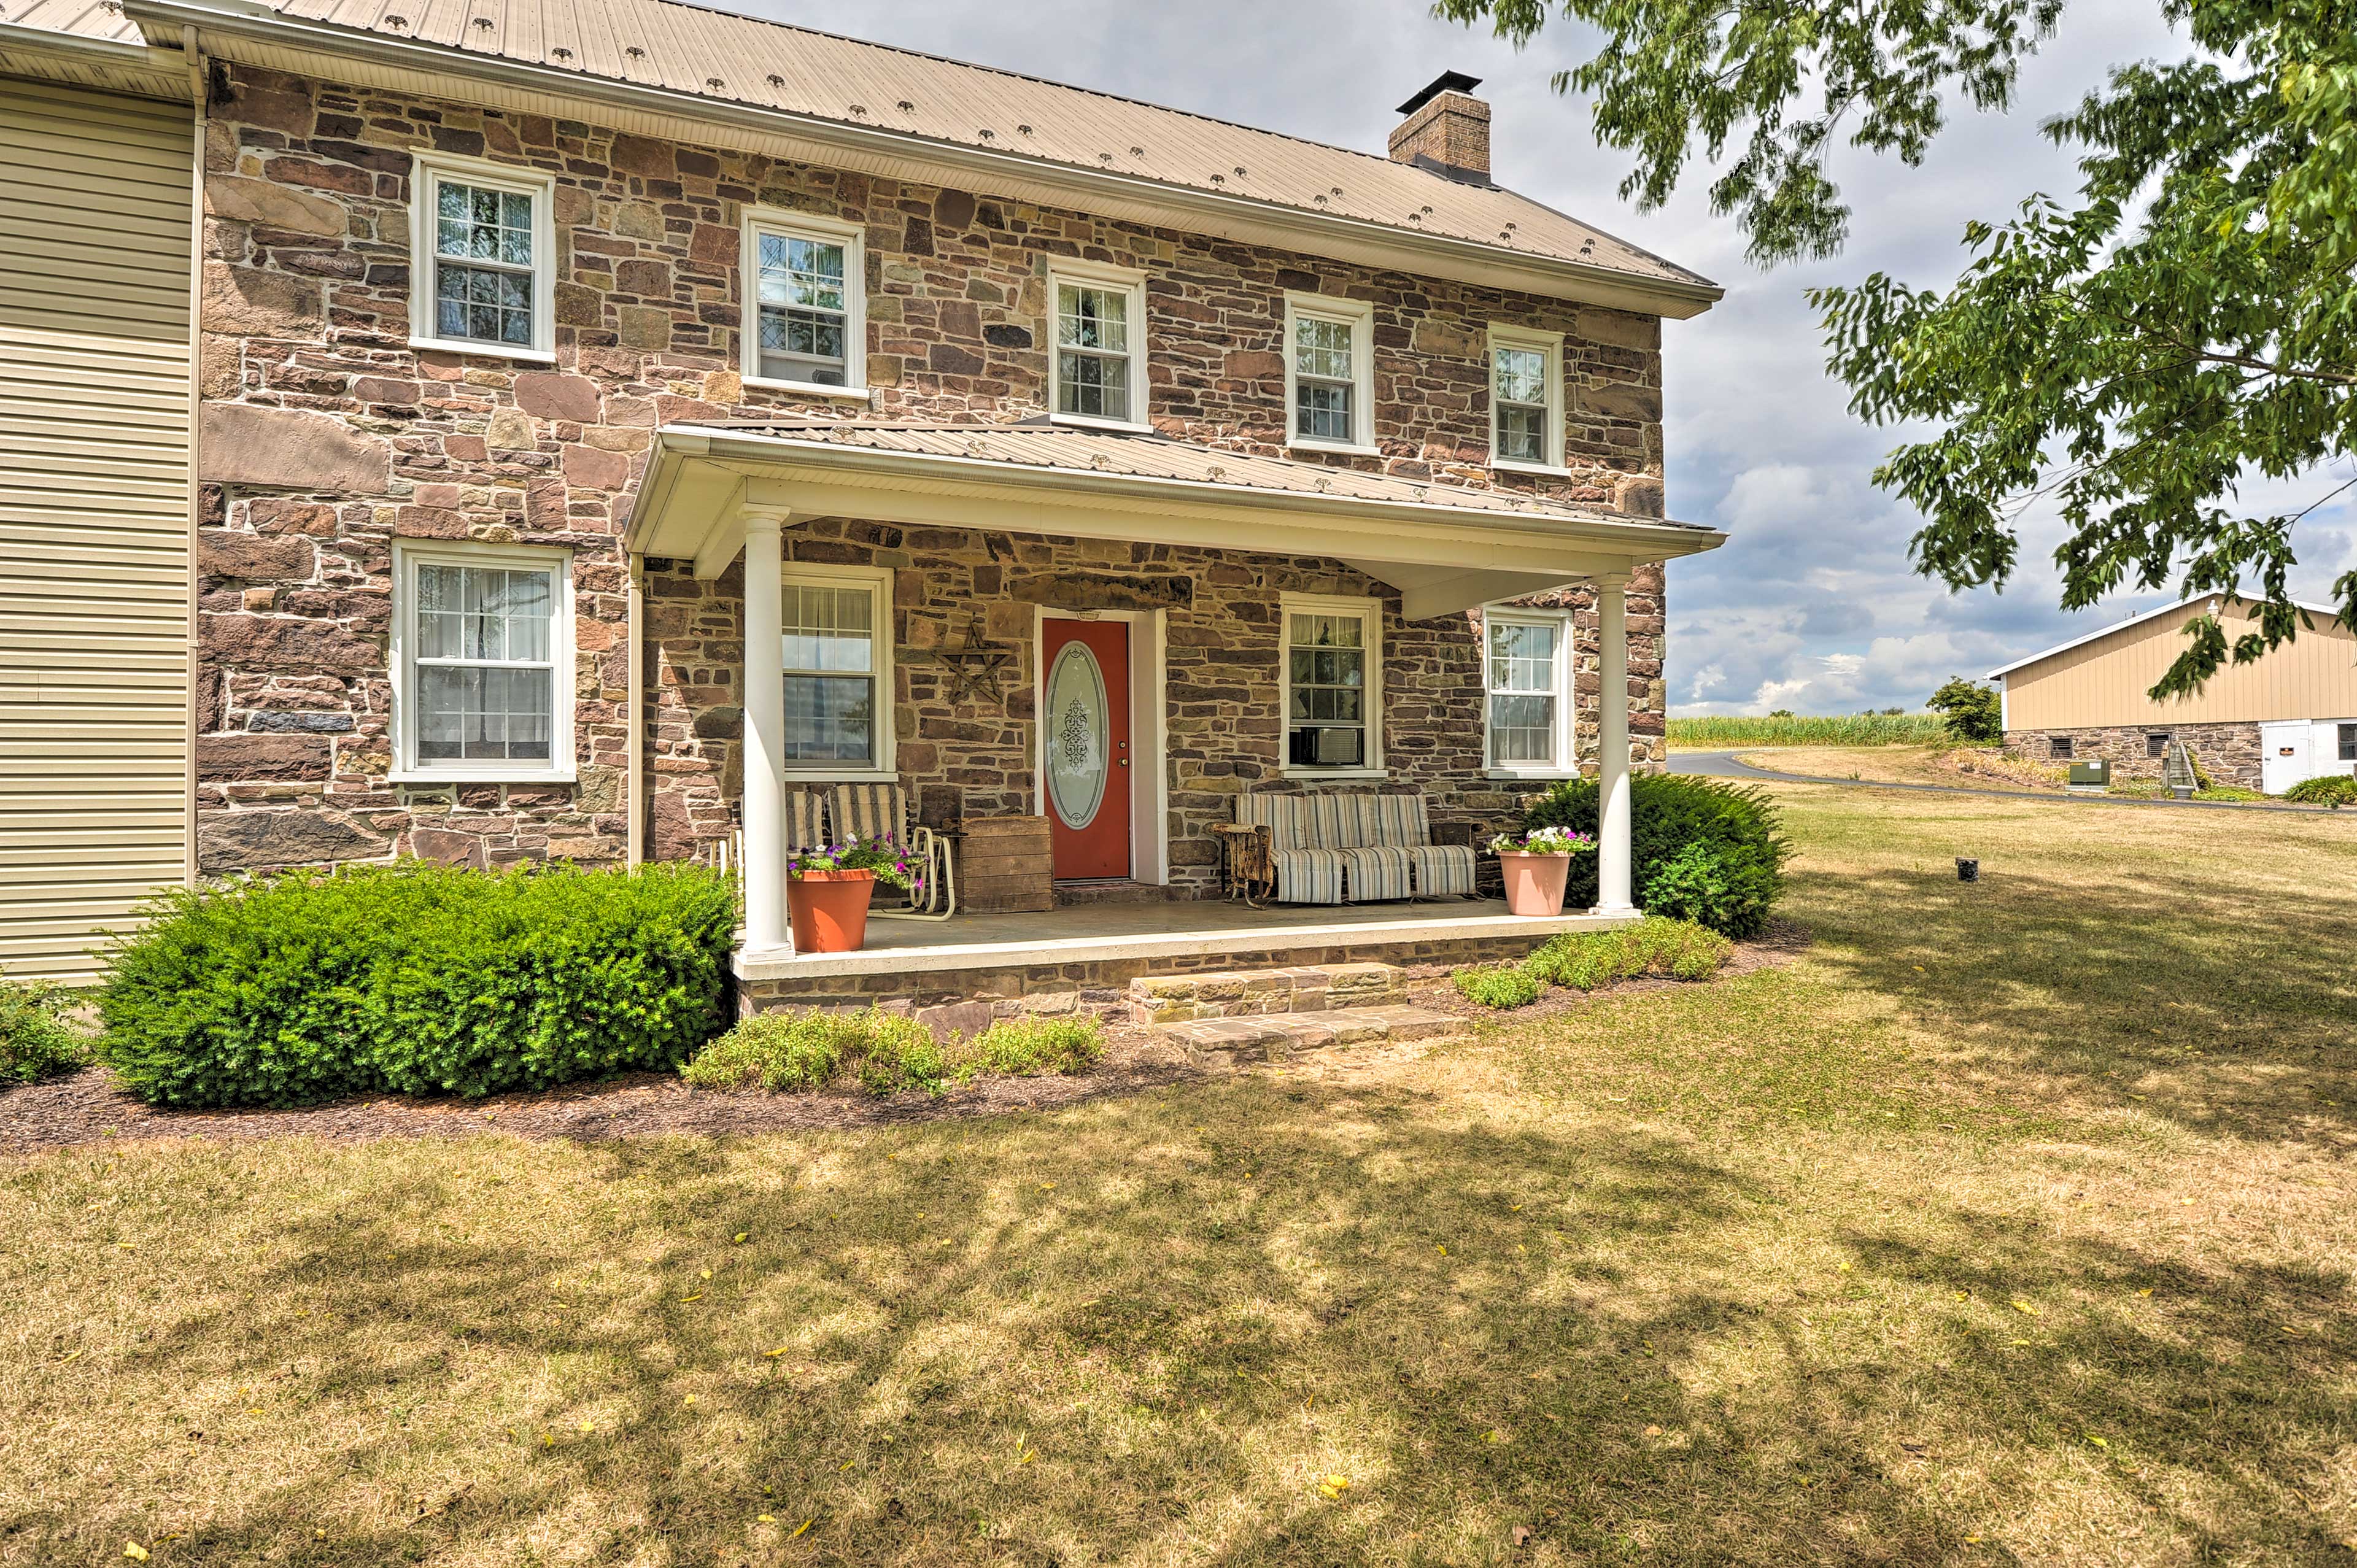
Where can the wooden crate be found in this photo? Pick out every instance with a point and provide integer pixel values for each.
(1005, 865)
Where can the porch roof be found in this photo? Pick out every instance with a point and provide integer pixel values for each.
(1445, 547)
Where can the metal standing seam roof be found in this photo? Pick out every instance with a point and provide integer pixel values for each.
(745, 60)
(1159, 457)
(81, 19)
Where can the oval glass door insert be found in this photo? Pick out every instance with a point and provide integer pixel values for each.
(1078, 731)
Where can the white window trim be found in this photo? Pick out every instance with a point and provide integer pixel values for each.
(1097, 274)
(406, 769)
(1566, 762)
(1371, 613)
(1551, 345)
(885, 765)
(853, 237)
(1358, 315)
(428, 168)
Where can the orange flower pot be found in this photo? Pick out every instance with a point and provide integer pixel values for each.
(829, 910)
(1534, 883)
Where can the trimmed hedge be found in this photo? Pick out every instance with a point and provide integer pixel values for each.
(416, 979)
(1705, 850)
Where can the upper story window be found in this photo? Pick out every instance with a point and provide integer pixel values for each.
(1525, 398)
(806, 325)
(1099, 364)
(838, 654)
(1330, 372)
(1333, 684)
(483, 258)
(482, 647)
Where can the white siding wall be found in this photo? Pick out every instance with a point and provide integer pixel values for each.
(93, 515)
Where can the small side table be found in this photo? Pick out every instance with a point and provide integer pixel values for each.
(1245, 872)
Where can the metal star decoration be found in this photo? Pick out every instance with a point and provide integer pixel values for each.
(974, 667)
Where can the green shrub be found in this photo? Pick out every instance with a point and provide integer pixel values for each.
(414, 979)
(1584, 961)
(1669, 812)
(1976, 713)
(36, 1040)
(2332, 790)
(886, 1052)
(1509, 987)
(1020, 1048)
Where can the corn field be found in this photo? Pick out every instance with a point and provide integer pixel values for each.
(1830, 729)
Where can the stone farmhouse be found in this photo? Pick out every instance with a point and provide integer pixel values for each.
(510, 432)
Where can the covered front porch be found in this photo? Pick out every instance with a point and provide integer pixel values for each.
(994, 544)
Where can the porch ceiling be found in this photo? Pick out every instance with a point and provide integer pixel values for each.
(1446, 548)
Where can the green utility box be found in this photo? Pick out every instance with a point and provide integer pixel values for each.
(2091, 775)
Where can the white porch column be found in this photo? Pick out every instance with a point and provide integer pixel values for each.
(765, 740)
(1614, 877)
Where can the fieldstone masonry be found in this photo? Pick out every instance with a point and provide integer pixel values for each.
(2228, 753)
(328, 438)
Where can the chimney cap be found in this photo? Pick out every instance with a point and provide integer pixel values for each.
(1446, 81)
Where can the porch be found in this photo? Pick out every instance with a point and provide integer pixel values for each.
(1083, 958)
(1254, 625)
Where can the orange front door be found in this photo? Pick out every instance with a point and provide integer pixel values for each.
(1084, 732)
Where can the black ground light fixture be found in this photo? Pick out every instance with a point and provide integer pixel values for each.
(1968, 870)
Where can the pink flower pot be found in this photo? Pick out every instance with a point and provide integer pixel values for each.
(829, 910)
(1534, 883)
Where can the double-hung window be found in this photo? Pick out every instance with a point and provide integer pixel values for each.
(805, 313)
(838, 657)
(1099, 364)
(1333, 684)
(1525, 398)
(1329, 372)
(1529, 687)
(483, 258)
(483, 653)
(2347, 734)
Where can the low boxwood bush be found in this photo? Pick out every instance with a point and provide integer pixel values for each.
(886, 1052)
(1498, 987)
(1682, 949)
(1020, 1048)
(416, 979)
(1705, 850)
(2332, 790)
(38, 1039)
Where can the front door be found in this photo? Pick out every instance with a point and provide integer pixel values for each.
(1085, 744)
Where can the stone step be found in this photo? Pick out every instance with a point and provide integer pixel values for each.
(1274, 1036)
(1252, 993)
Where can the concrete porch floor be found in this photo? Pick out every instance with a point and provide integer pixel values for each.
(1102, 933)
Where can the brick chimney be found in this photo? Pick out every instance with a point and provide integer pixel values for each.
(1446, 129)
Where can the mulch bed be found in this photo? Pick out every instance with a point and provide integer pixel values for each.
(88, 1107)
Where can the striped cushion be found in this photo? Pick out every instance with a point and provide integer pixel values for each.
(870, 811)
(1380, 871)
(1444, 870)
(803, 830)
(1307, 875)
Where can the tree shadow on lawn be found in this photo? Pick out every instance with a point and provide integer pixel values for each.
(1157, 1325)
(2216, 1008)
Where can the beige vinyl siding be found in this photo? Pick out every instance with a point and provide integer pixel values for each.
(94, 516)
(2104, 683)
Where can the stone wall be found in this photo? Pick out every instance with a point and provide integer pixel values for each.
(327, 437)
(2228, 753)
(1225, 666)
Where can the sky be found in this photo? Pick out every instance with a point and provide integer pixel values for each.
(1811, 603)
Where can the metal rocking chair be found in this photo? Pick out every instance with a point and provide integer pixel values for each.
(873, 810)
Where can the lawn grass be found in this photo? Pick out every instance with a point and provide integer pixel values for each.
(2013, 1223)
